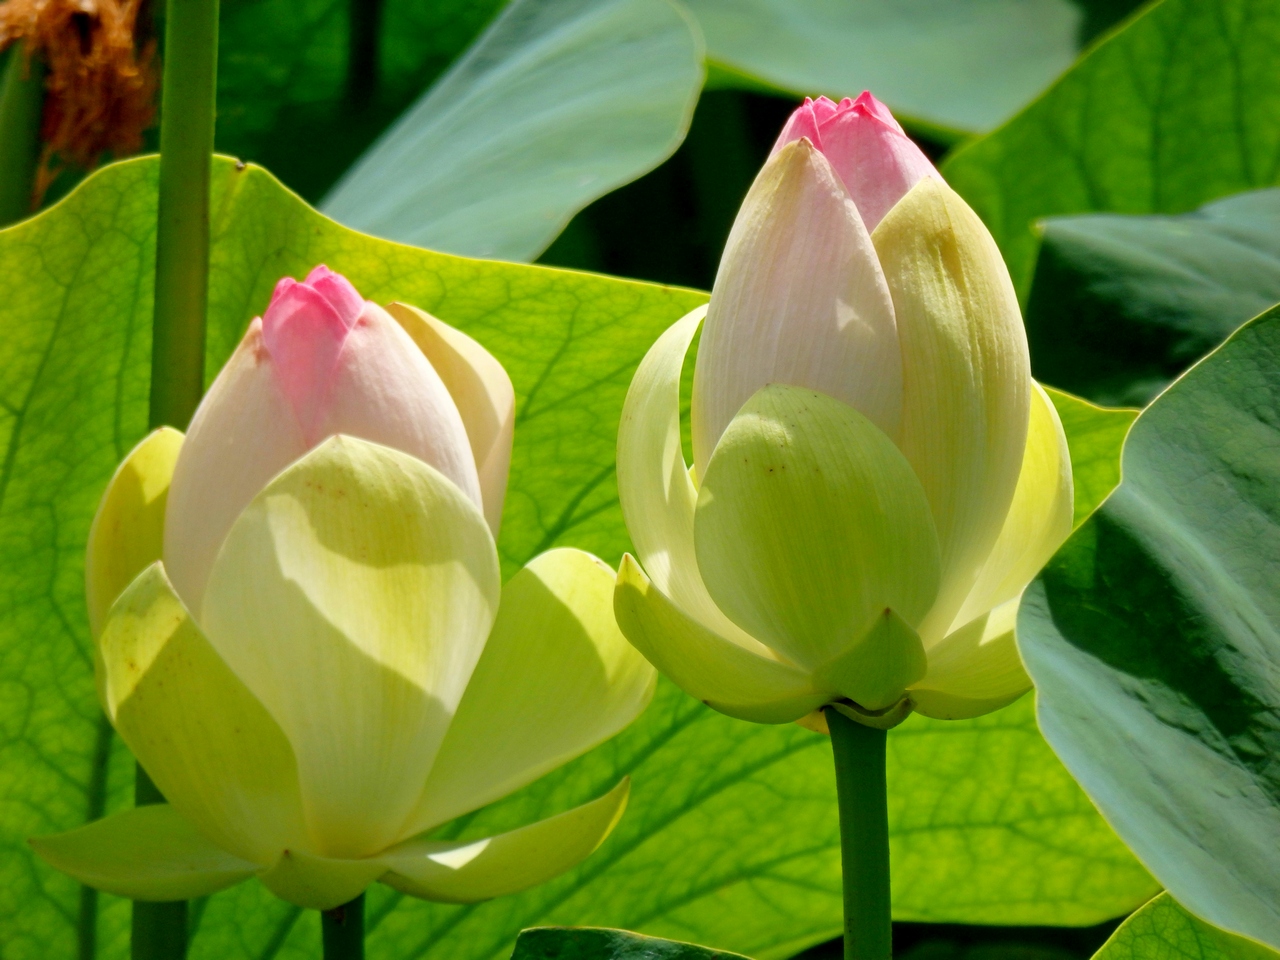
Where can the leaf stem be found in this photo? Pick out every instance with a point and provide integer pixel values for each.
(363, 48)
(159, 929)
(182, 235)
(861, 791)
(21, 104)
(343, 931)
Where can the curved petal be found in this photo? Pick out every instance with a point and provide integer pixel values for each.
(210, 746)
(127, 534)
(556, 678)
(320, 883)
(657, 495)
(723, 675)
(386, 390)
(1039, 519)
(975, 669)
(353, 597)
(810, 524)
(875, 672)
(475, 870)
(799, 299)
(966, 392)
(242, 435)
(144, 853)
(483, 392)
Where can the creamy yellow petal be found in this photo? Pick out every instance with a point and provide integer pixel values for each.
(320, 883)
(967, 380)
(483, 392)
(799, 299)
(475, 870)
(724, 675)
(810, 524)
(144, 853)
(975, 669)
(127, 534)
(210, 746)
(657, 494)
(353, 597)
(1039, 519)
(557, 677)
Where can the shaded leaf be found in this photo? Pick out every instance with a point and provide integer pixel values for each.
(1153, 638)
(1177, 108)
(557, 103)
(601, 943)
(1122, 304)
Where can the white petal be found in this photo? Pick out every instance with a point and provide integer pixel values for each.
(799, 299)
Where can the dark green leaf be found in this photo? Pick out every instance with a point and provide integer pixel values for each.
(1153, 638)
(1122, 304)
(601, 943)
(1176, 109)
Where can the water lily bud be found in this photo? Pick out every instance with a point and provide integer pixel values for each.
(343, 671)
(876, 476)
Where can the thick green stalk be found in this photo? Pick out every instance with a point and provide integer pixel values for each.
(864, 837)
(343, 931)
(363, 45)
(178, 327)
(21, 103)
(182, 236)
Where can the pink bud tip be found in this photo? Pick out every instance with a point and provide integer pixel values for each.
(304, 329)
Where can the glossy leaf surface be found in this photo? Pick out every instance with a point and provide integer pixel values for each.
(1153, 638)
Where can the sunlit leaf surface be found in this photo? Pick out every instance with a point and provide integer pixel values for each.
(1176, 109)
(1163, 930)
(558, 103)
(1154, 639)
(730, 838)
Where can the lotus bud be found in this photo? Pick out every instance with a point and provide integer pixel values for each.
(303, 638)
(876, 476)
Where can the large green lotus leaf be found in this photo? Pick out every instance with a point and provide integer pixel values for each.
(731, 836)
(1122, 303)
(1179, 107)
(556, 104)
(965, 66)
(601, 943)
(1153, 638)
(1164, 930)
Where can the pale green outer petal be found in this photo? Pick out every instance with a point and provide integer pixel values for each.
(876, 671)
(353, 597)
(799, 299)
(127, 535)
(810, 524)
(1039, 519)
(658, 497)
(967, 377)
(975, 670)
(320, 883)
(144, 853)
(722, 674)
(475, 870)
(556, 678)
(211, 747)
(483, 393)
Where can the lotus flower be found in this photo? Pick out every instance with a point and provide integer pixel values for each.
(876, 476)
(303, 637)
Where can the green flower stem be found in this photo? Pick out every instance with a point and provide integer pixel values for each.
(178, 327)
(159, 929)
(343, 931)
(21, 103)
(363, 45)
(864, 837)
(182, 236)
